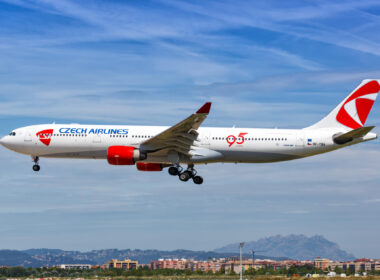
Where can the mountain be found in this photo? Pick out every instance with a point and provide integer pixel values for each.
(293, 246)
(13, 257)
(49, 257)
(277, 247)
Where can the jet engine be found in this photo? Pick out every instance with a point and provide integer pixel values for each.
(124, 155)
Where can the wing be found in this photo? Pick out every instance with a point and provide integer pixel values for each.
(179, 137)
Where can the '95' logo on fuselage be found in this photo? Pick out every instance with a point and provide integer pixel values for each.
(232, 139)
(45, 136)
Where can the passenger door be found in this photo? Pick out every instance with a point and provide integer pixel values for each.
(205, 139)
(97, 139)
(300, 141)
(28, 136)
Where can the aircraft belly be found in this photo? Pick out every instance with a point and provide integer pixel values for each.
(257, 156)
(92, 154)
(78, 150)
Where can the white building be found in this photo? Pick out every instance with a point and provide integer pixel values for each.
(75, 266)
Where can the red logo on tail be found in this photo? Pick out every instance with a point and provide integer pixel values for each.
(45, 136)
(355, 110)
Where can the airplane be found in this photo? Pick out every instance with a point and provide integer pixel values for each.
(153, 148)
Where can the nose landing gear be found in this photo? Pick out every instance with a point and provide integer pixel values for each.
(189, 173)
(36, 166)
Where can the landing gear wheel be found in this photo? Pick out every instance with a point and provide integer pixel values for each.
(198, 180)
(36, 167)
(173, 171)
(185, 176)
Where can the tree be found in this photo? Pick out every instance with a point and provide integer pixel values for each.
(350, 271)
(282, 271)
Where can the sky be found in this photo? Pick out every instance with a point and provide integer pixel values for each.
(268, 64)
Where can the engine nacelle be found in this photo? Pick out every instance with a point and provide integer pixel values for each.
(144, 166)
(124, 155)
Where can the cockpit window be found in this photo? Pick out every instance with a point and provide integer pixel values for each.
(12, 133)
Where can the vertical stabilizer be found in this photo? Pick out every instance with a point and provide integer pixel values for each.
(353, 111)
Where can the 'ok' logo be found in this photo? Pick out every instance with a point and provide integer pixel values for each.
(356, 108)
(45, 136)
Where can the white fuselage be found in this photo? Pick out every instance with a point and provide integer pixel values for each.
(250, 145)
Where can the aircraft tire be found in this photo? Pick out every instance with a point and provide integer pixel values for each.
(198, 180)
(173, 170)
(36, 167)
(185, 176)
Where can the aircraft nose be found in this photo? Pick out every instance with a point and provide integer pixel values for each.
(3, 141)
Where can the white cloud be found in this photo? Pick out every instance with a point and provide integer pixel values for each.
(375, 200)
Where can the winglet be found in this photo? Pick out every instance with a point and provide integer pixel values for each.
(205, 109)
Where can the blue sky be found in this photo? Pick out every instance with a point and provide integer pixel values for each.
(262, 64)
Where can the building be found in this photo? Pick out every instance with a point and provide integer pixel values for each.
(125, 264)
(184, 264)
(233, 264)
(323, 264)
(359, 265)
(225, 264)
(181, 264)
(75, 266)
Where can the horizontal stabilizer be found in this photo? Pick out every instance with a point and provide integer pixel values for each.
(351, 135)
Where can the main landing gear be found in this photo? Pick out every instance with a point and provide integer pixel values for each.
(184, 176)
(36, 166)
